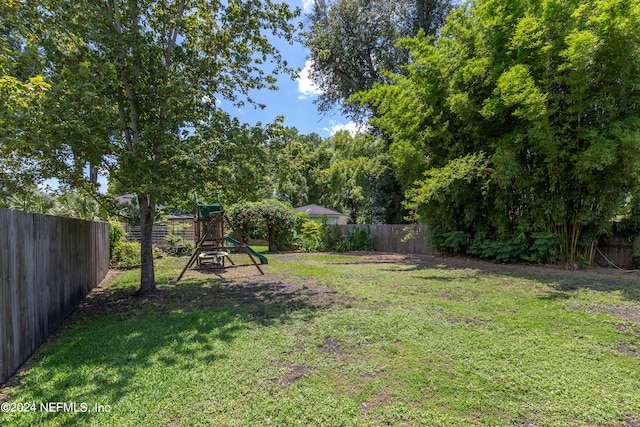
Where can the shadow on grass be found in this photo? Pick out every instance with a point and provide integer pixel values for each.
(559, 279)
(111, 340)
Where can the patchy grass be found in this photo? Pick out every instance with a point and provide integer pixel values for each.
(356, 339)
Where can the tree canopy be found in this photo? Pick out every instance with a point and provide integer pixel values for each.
(354, 42)
(521, 117)
(134, 82)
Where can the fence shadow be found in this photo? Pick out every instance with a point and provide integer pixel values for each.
(105, 343)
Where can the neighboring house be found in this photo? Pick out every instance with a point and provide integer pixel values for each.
(321, 214)
(132, 199)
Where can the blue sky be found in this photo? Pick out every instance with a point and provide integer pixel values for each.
(295, 98)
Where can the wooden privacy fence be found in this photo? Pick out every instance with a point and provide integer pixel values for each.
(47, 266)
(391, 237)
(617, 249)
(159, 233)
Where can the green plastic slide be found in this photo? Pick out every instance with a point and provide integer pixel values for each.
(234, 242)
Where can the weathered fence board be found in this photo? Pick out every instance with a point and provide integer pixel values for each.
(47, 265)
(391, 237)
(617, 249)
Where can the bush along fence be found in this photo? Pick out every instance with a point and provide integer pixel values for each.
(47, 266)
(620, 250)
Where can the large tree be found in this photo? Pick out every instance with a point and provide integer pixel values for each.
(357, 162)
(354, 42)
(297, 165)
(136, 81)
(523, 117)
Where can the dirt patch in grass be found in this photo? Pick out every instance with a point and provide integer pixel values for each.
(627, 313)
(380, 398)
(632, 422)
(297, 372)
(331, 346)
(207, 291)
(629, 349)
(523, 423)
(465, 320)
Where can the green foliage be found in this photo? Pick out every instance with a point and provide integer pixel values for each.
(356, 164)
(298, 162)
(330, 237)
(21, 100)
(178, 245)
(348, 173)
(126, 255)
(507, 252)
(71, 204)
(116, 237)
(76, 205)
(449, 242)
(310, 236)
(244, 217)
(541, 247)
(545, 248)
(34, 201)
(134, 90)
(636, 259)
(353, 42)
(299, 219)
(358, 239)
(278, 218)
(520, 118)
(275, 216)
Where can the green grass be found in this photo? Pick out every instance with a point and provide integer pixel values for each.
(332, 340)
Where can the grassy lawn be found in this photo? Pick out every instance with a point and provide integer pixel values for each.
(353, 340)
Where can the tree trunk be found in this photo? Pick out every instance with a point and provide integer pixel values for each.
(147, 272)
(272, 240)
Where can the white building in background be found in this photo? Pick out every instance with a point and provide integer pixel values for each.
(321, 214)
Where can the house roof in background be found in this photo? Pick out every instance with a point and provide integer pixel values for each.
(318, 210)
(131, 199)
(127, 199)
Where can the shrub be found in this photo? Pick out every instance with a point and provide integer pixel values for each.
(278, 217)
(126, 255)
(178, 245)
(330, 236)
(544, 248)
(244, 217)
(116, 237)
(310, 236)
(450, 242)
(501, 252)
(269, 218)
(636, 259)
(358, 239)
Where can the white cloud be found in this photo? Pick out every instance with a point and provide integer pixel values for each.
(307, 5)
(306, 87)
(351, 127)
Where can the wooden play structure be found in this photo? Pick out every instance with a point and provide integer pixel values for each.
(213, 247)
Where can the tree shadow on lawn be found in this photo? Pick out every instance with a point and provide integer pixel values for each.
(560, 280)
(97, 356)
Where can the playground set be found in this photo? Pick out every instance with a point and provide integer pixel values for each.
(213, 247)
